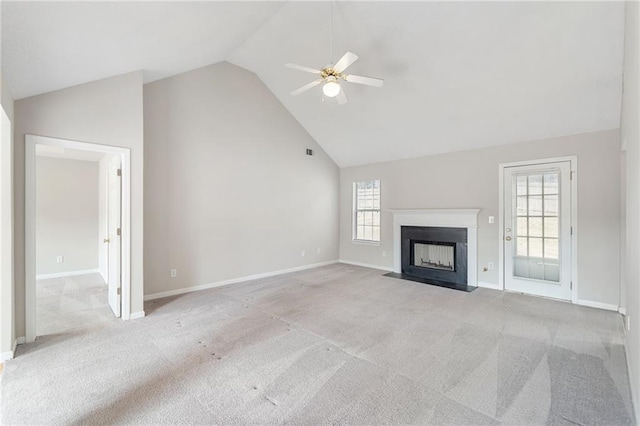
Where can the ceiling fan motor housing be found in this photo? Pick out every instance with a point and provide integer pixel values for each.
(329, 72)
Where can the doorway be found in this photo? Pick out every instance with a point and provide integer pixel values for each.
(538, 228)
(113, 238)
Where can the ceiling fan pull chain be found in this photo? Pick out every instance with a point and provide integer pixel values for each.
(331, 31)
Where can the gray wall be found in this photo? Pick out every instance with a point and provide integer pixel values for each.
(66, 215)
(469, 179)
(7, 308)
(630, 130)
(229, 191)
(107, 112)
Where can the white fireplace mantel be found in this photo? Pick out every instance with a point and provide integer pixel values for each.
(450, 218)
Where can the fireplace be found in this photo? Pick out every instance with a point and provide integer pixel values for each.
(435, 254)
(460, 224)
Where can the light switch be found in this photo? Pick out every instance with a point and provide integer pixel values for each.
(492, 219)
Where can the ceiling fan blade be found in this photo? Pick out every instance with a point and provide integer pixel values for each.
(306, 87)
(342, 97)
(376, 82)
(345, 61)
(301, 68)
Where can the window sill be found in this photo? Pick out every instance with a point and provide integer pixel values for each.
(366, 242)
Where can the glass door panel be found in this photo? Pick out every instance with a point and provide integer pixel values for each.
(537, 227)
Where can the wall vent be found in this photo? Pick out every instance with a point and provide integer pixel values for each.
(309, 151)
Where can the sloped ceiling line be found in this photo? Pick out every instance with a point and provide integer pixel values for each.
(458, 75)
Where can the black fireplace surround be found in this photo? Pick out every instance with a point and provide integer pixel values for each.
(457, 237)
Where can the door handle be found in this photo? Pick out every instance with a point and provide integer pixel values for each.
(106, 240)
(508, 238)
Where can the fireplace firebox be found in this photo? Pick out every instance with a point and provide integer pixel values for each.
(434, 255)
(437, 255)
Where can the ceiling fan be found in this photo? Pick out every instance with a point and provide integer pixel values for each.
(331, 75)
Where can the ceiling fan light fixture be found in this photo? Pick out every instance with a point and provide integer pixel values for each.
(331, 88)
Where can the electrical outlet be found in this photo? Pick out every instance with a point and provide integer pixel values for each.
(60, 259)
(302, 253)
(174, 273)
(384, 253)
(490, 265)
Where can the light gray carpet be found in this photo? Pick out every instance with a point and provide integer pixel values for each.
(65, 303)
(338, 344)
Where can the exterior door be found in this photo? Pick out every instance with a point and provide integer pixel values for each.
(113, 219)
(538, 229)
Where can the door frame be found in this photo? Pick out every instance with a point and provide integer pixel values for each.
(7, 291)
(30, 221)
(573, 161)
(116, 307)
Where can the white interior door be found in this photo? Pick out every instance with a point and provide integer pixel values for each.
(113, 239)
(538, 229)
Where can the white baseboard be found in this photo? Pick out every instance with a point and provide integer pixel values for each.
(66, 274)
(233, 281)
(493, 286)
(136, 315)
(599, 305)
(367, 265)
(582, 302)
(622, 311)
(21, 340)
(6, 356)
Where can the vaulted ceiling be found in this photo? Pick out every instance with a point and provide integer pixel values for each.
(458, 75)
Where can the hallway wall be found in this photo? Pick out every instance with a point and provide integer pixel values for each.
(66, 215)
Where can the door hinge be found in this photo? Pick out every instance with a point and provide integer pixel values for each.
(118, 231)
(119, 288)
(571, 231)
(571, 175)
(119, 172)
(570, 285)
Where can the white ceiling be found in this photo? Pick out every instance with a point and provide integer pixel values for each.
(458, 75)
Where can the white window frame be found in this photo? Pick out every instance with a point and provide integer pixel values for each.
(354, 217)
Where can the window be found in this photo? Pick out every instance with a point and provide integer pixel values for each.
(366, 214)
(537, 226)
